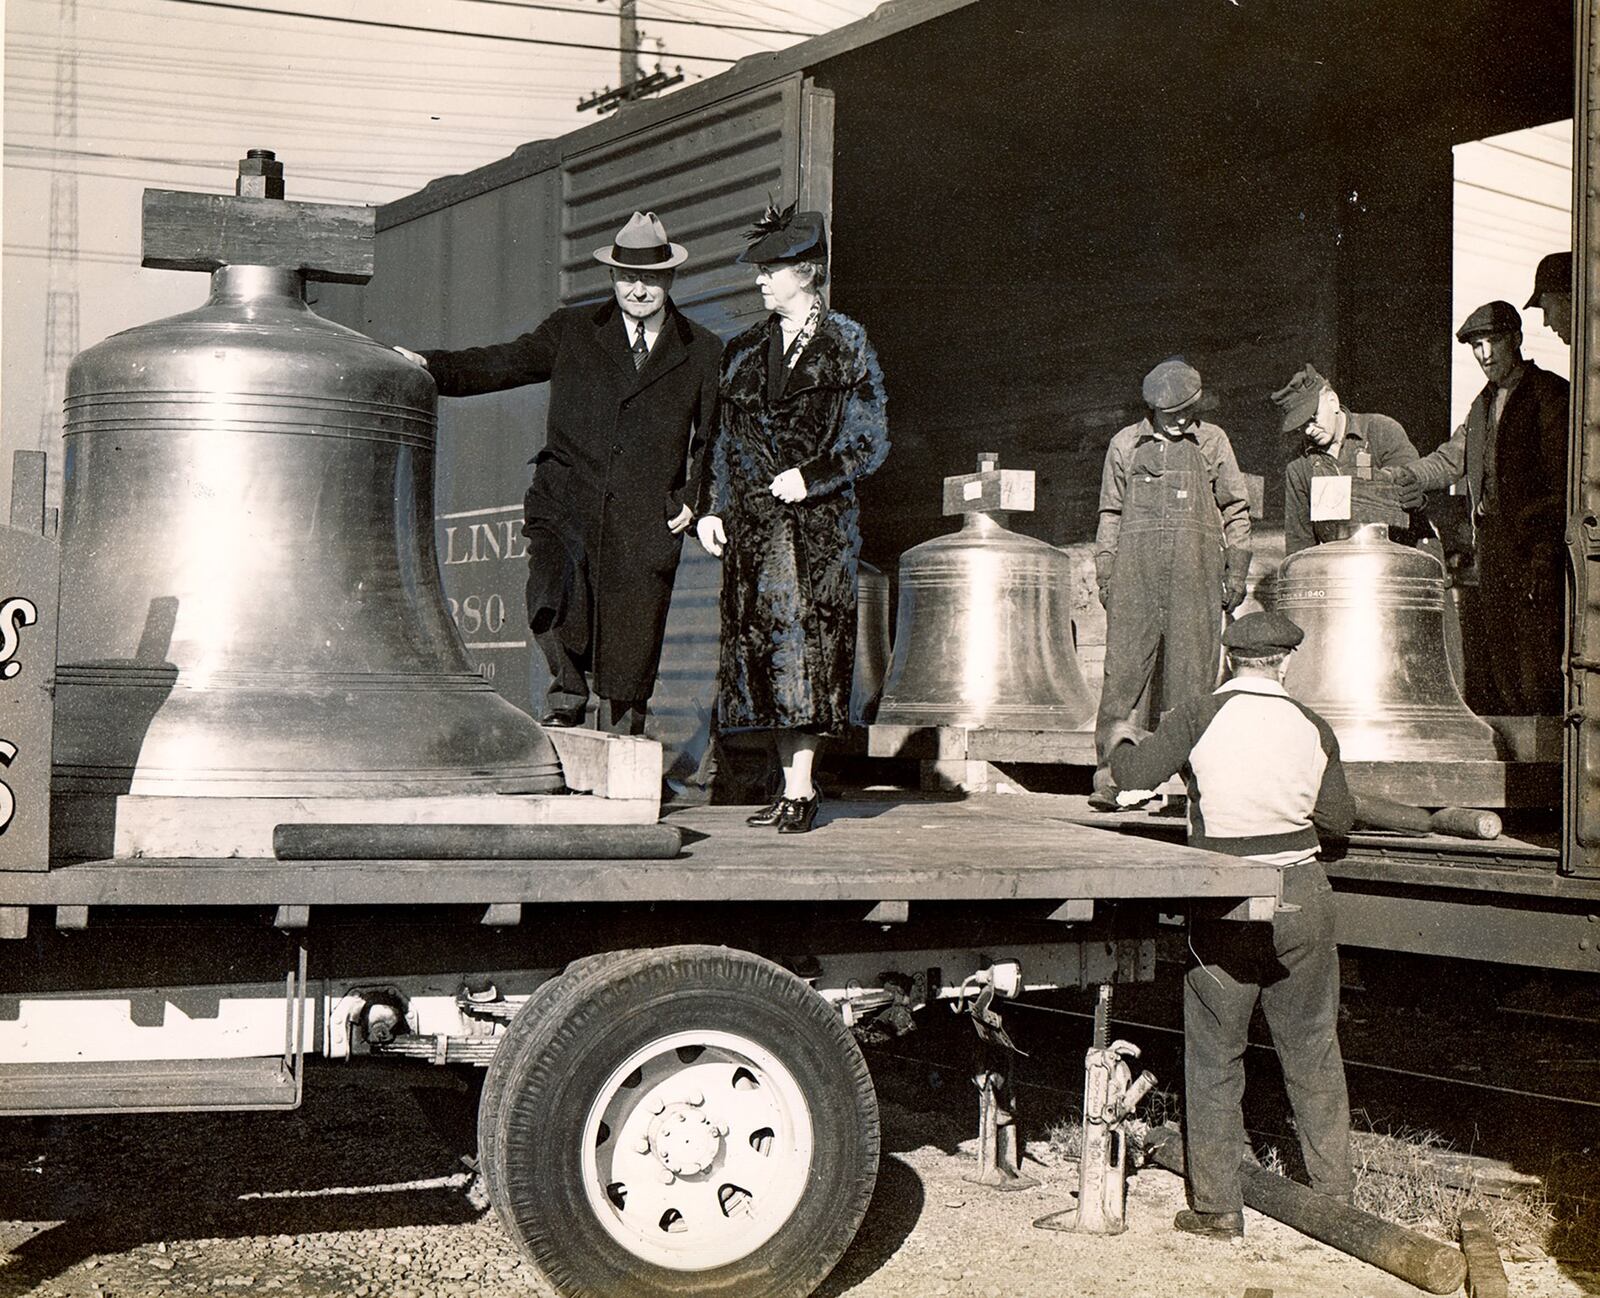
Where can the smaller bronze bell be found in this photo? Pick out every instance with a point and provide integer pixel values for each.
(1373, 663)
(983, 634)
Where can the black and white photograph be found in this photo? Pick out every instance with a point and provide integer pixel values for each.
(767, 648)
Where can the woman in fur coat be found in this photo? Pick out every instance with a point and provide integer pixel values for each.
(800, 418)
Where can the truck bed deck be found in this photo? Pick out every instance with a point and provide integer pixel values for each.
(870, 849)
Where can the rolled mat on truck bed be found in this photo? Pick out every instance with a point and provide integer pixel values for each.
(385, 842)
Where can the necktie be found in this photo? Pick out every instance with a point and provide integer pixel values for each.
(640, 351)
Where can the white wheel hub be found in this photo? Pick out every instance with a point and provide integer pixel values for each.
(696, 1150)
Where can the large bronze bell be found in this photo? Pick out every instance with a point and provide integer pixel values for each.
(1373, 663)
(250, 601)
(983, 632)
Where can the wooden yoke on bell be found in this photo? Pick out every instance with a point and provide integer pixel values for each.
(328, 242)
(990, 490)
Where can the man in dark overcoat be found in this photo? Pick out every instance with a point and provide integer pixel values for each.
(1512, 451)
(633, 387)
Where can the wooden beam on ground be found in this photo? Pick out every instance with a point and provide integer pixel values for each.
(1486, 1274)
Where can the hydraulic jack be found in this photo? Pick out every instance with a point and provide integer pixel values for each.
(999, 1154)
(1110, 1095)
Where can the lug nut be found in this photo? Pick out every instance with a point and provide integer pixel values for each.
(694, 1097)
(642, 1145)
(657, 1105)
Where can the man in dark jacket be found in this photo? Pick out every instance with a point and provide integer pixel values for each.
(633, 387)
(1265, 782)
(1512, 450)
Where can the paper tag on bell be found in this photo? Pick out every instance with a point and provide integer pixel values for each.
(1330, 498)
(971, 490)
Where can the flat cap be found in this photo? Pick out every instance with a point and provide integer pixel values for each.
(1262, 634)
(1297, 398)
(1554, 275)
(1172, 386)
(1495, 317)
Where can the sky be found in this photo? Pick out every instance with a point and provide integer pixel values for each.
(171, 93)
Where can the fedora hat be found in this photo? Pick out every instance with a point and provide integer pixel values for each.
(642, 244)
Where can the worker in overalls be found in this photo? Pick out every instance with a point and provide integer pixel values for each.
(1171, 554)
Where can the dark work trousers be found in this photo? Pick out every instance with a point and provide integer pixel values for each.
(1522, 639)
(569, 689)
(1166, 586)
(1291, 967)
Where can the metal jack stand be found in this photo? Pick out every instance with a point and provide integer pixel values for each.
(998, 1151)
(1110, 1096)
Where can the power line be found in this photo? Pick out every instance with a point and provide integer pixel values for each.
(682, 22)
(432, 31)
(234, 72)
(137, 109)
(1521, 198)
(148, 180)
(120, 95)
(207, 164)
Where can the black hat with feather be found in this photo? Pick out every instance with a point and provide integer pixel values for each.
(786, 235)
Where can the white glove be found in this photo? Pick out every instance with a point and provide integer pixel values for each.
(680, 524)
(789, 487)
(712, 537)
(416, 358)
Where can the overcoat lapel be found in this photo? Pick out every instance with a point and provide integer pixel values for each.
(822, 364)
(612, 339)
(671, 349)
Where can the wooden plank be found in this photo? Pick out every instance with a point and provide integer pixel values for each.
(146, 1086)
(502, 914)
(867, 852)
(215, 827)
(1052, 747)
(1074, 910)
(72, 917)
(331, 242)
(1486, 1274)
(1460, 784)
(889, 912)
(13, 923)
(608, 766)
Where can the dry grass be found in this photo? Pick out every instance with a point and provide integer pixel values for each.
(1405, 1177)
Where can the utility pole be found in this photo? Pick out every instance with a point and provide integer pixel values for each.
(636, 82)
(61, 283)
(628, 12)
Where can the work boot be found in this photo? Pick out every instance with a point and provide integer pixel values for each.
(1210, 1225)
(1104, 797)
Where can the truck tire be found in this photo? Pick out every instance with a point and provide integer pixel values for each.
(683, 1120)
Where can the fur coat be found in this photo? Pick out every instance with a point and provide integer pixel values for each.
(789, 571)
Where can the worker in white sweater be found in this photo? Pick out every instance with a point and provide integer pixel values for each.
(1265, 783)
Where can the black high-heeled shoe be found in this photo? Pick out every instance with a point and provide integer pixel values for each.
(801, 815)
(768, 816)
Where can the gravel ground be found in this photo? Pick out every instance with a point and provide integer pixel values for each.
(363, 1192)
